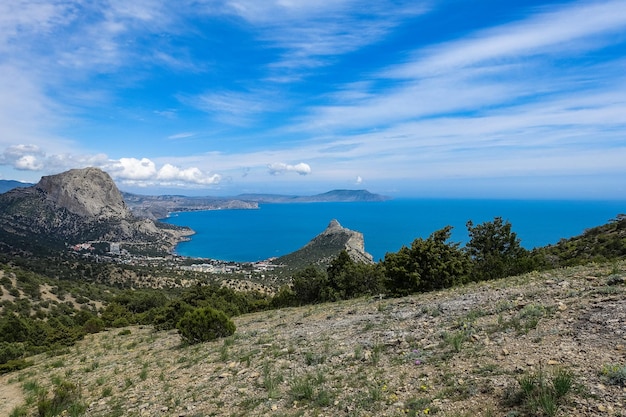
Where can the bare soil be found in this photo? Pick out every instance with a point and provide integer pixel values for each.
(458, 352)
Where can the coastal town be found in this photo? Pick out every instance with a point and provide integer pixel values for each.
(114, 252)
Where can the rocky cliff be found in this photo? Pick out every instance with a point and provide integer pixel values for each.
(76, 206)
(88, 193)
(323, 248)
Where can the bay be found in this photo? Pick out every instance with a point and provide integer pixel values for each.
(277, 229)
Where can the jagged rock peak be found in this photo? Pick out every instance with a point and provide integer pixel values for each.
(334, 226)
(350, 240)
(87, 192)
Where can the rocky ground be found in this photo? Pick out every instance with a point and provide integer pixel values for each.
(461, 352)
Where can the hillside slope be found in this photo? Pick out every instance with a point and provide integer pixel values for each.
(458, 353)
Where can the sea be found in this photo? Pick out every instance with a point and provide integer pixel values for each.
(274, 229)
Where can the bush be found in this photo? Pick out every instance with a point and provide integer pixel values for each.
(285, 297)
(10, 351)
(349, 279)
(66, 400)
(14, 365)
(94, 325)
(429, 264)
(541, 393)
(496, 250)
(308, 285)
(204, 324)
(615, 374)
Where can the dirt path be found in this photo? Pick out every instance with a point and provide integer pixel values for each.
(10, 396)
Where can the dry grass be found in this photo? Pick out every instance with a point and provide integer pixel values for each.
(460, 352)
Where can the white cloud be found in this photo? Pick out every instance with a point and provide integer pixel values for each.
(277, 168)
(144, 172)
(23, 157)
(132, 169)
(171, 174)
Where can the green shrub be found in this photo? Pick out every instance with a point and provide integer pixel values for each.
(204, 324)
(66, 396)
(496, 250)
(429, 264)
(166, 318)
(543, 393)
(615, 374)
(10, 351)
(14, 365)
(308, 285)
(94, 325)
(285, 297)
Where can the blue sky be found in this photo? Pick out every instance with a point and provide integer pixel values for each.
(515, 99)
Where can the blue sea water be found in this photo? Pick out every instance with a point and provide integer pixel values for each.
(278, 229)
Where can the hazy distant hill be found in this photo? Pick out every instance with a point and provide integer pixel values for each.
(7, 185)
(160, 206)
(330, 196)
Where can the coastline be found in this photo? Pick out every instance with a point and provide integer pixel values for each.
(281, 228)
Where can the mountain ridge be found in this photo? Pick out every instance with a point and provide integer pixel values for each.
(338, 195)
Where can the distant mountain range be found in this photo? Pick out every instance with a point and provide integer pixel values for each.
(8, 185)
(330, 196)
(158, 207)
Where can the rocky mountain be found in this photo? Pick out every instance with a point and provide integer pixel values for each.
(80, 205)
(323, 248)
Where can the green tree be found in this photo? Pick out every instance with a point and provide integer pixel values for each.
(495, 250)
(204, 324)
(308, 285)
(14, 329)
(285, 297)
(429, 264)
(349, 279)
(401, 273)
(167, 317)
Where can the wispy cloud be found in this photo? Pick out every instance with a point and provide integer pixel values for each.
(310, 34)
(541, 95)
(236, 108)
(514, 100)
(182, 135)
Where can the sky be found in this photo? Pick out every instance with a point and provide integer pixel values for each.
(432, 98)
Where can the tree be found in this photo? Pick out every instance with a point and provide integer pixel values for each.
(495, 250)
(308, 285)
(429, 264)
(349, 279)
(204, 324)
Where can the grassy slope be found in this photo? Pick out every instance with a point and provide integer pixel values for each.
(358, 357)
